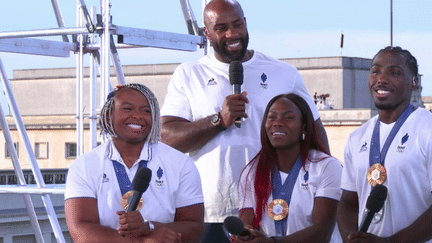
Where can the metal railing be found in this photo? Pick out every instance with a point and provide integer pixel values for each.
(84, 41)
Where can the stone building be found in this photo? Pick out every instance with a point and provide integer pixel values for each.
(46, 100)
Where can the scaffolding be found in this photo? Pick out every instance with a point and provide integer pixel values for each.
(101, 51)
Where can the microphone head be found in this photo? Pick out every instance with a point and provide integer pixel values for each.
(236, 72)
(142, 179)
(233, 225)
(376, 198)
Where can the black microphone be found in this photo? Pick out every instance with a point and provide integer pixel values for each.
(236, 80)
(140, 184)
(235, 226)
(374, 204)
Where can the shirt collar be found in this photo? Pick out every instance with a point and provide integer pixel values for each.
(145, 154)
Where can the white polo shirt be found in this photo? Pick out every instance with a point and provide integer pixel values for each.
(198, 89)
(322, 180)
(175, 182)
(409, 172)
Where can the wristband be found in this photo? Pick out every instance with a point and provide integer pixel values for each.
(151, 226)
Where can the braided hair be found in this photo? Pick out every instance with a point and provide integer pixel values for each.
(105, 120)
(411, 61)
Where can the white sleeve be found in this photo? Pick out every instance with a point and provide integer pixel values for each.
(300, 89)
(247, 197)
(190, 189)
(329, 186)
(348, 176)
(176, 102)
(78, 184)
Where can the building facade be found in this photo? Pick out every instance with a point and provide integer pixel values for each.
(46, 100)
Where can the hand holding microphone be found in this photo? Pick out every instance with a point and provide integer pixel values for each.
(236, 80)
(131, 217)
(374, 204)
(140, 184)
(235, 226)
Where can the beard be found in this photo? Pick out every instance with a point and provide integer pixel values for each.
(228, 56)
(383, 106)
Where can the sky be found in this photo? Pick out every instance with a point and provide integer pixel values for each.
(279, 28)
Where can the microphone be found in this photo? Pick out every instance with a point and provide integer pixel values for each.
(374, 204)
(235, 226)
(140, 184)
(236, 80)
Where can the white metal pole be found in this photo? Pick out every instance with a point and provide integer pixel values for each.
(105, 48)
(17, 167)
(31, 157)
(93, 90)
(43, 32)
(59, 17)
(79, 88)
(207, 46)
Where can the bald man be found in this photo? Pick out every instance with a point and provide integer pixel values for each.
(200, 110)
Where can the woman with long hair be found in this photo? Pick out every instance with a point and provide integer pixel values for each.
(290, 190)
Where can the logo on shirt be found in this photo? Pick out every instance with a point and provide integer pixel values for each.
(105, 178)
(305, 185)
(363, 147)
(401, 148)
(263, 81)
(159, 181)
(211, 82)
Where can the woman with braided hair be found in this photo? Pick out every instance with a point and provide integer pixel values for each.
(99, 182)
(290, 190)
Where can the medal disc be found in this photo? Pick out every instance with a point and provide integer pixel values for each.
(377, 174)
(125, 201)
(278, 209)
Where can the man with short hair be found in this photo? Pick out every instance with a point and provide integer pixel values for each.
(394, 149)
(200, 110)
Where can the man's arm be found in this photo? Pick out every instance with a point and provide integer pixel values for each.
(322, 135)
(419, 231)
(189, 221)
(189, 136)
(347, 214)
(83, 223)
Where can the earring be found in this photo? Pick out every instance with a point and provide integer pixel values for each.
(303, 136)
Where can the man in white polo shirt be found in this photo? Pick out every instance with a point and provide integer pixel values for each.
(394, 149)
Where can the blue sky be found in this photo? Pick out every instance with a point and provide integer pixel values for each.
(279, 28)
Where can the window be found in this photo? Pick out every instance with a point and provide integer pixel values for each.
(71, 150)
(60, 178)
(41, 150)
(8, 154)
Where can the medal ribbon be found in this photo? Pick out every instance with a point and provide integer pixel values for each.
(375, 156)
(122, 178)
(284, 191)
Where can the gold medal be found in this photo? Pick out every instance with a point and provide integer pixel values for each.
(278, 209)
(125, 200)
(377, 174)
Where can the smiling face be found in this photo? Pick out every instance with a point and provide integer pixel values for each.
(284, 124)
(227, 31)
(131, 117)
(391, 82)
